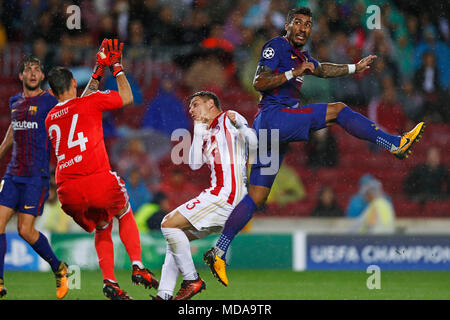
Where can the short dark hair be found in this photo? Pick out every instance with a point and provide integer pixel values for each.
(30, 59)
(300, 10)
(59, 79)
(207, 95)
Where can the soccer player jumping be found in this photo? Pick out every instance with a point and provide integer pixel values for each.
(279, 77)
(88, 190)
(24, 187)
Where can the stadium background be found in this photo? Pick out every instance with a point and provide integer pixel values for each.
(176, 47)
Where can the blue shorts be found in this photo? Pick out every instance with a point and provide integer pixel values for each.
(24, 195)
(292, 124)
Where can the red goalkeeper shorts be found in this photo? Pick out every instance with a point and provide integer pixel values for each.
(93, 199)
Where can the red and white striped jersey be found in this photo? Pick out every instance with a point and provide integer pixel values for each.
(224, 150)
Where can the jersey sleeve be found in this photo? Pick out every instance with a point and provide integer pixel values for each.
(270, 55)
(106, 100)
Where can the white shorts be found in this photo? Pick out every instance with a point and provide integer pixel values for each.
(207, 213)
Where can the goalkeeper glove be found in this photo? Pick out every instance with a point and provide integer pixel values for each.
(115, 56)
(102, 61)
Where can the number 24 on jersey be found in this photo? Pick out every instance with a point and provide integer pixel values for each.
(81, 141)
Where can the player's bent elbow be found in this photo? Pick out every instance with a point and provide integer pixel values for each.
(127, 100)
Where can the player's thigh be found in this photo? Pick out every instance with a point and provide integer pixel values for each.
(290, 124)
(176, 220)
(206, 212)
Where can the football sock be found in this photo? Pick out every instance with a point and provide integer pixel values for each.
(3, 248)
(169, 275)
(105, 251)
(137, 263)
(361, 127)
(129, 234)
(43, 249)
(237, 220)
(181, 251)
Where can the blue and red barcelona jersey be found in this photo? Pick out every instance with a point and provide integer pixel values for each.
(280, 56)
(31, 148)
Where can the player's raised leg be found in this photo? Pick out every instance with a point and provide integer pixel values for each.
(361, 127)
(173, 227)
(129, 235)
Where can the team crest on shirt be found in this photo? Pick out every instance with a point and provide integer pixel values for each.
(268, 53)
(32, 110)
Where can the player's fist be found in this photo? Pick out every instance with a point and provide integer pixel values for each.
(304, 68)
(102, 61)
(234, 120)
(115, 56)
(364, 63)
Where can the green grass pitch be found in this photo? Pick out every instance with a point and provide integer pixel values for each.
(252, 285)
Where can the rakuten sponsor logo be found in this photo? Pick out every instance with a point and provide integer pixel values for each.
(24, 125)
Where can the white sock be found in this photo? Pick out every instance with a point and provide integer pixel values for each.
(137, 263)
(169, 276)
(181, 252)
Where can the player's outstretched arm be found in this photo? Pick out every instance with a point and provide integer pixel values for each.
(332, 70)
(7, 142)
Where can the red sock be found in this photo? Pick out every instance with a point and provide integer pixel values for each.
(129, 234)
(105, 251)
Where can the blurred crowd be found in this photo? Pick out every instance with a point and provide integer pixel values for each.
(175, 47)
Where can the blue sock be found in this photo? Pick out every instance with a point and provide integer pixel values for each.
(42, 247)
(237, 220)
(361, 127)
(3, 248)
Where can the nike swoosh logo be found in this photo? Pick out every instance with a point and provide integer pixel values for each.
(28, 207)
(293, 57)
(407, 141)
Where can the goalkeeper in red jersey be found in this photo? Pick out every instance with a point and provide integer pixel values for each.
(88, 190)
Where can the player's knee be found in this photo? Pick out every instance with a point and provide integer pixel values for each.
(26, 232)
(167, 222)
(338, 106)
(333, 110)
(259, 196)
